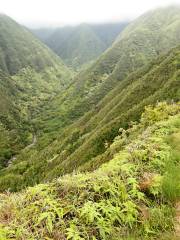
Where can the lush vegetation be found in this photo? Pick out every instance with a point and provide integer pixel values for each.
(20, 49)
(79, 45)
(37, 75)
(37, 88)
(133, 196)
(14, 129)
(36, 70)
(111, 132)
(128, 55)
(72, 137)
(83, 144)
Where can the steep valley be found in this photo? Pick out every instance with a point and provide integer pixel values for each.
(80, 45)
(89, 147)
(30, 75)
(77, 125)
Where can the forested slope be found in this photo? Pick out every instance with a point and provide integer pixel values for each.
(20, 49)
(30, 74)
(76, 127)
(133, 50)
(83, 144)
(13, 128)
(36, 69)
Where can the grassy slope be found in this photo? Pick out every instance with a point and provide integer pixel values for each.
(90, 135)
(131, 197)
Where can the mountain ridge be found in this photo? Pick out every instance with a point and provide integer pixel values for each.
(79, 45)
(112, 66)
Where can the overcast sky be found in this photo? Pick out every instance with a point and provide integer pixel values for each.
(38, 13)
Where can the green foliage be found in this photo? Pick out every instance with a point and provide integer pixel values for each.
(161, 112)
(37, 75)
(78, 124)
(88, 123)
(20, 49)
(171, 187)
(14, 131)
(171, 181)
(108, 203)
(160, 219)
(84, 144)
(36, 88)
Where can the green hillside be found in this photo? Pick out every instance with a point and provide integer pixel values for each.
(87, 139)
(133, 196)
(79, 45)
(20, 49)
(30, 74)
(96, 155)
(85, 117)
(83, 144)
(37, 71)
(134, 49)
(108, 32)
(75, 128)
(13, 127)
(107, 73)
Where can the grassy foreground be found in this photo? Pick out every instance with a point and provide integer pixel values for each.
(133, 196)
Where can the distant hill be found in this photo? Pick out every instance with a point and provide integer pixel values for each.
(42, 33)
(80, 44)
(76, 127)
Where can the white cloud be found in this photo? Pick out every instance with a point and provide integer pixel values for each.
(56, 12)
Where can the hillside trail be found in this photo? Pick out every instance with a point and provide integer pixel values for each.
(34, 140)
